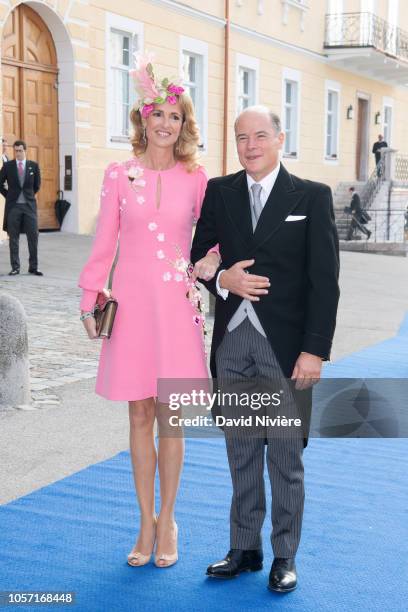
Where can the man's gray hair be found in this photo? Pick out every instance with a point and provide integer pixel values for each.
(260, 108)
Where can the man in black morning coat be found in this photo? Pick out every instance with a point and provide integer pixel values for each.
(20, 180)
(277, 294)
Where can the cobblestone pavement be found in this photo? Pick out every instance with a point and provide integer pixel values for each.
(59, 349)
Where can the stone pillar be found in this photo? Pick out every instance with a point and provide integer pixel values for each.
(14, 365)
(389, 156)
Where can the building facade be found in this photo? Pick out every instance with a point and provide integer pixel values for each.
(336, 71)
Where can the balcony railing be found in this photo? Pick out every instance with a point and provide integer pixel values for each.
(345, 30)
(374, 184)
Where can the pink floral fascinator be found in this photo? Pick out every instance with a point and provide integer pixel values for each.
(151, 90)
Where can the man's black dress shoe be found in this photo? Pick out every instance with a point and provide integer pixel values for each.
(282, 577)
(14, 272)
(36, 272)
(236, 562)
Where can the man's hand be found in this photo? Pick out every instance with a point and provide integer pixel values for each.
(306, 371)
(240, 282)
(206, 267)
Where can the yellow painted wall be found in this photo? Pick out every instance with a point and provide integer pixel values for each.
(287, 47)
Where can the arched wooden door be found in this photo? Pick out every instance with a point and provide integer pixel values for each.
(30, 103)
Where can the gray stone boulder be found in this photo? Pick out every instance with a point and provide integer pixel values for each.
(14, 365)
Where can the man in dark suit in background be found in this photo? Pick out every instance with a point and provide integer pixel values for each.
(23, 180)
(377, 146)
(358, 216)
(278, 319)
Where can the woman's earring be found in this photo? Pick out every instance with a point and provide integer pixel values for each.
(144, 136)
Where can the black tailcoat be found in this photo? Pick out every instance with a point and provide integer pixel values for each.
(300, 258)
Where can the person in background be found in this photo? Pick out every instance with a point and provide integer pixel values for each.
(23, 180)
(358, 216)
(377, 146)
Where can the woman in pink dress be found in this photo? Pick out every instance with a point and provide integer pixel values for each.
(150, 203)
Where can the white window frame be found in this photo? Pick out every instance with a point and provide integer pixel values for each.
(200, 48)
(288, 74)
(333, 86)
(246, 62)
(134, 28)
(388, 103)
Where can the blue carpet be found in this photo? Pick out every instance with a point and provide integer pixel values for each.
(74, 535)
(388, 359)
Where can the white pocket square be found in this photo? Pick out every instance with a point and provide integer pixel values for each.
(295, 217)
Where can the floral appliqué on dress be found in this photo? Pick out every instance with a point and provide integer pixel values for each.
(184, 269)
(136, 180)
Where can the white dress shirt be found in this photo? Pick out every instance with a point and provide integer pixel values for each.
(21, 198)
(246, 308)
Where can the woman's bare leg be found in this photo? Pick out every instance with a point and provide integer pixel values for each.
(144, 462)
(171, 456)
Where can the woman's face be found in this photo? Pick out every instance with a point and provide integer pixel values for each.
(163, 125)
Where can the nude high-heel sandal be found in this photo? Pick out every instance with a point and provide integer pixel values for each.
(169, 559)
(137, 559)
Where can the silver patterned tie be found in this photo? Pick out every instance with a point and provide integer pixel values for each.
(256, 189)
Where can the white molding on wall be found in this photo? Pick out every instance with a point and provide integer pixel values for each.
(68, 10)
(113, 20)
(251, 62)
(77, 42)
(387, 101)
(330, 85)
(280, 44)
(78, 22)
(300, 5)
(188, 11)
(292, 75)
(199, 47)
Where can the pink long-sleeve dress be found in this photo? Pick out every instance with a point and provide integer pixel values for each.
(156, 334)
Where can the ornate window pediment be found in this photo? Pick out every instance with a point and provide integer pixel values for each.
(301, 5)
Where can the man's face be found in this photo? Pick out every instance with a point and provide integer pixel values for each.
(380, 137)
(19, 153)
(258, 144)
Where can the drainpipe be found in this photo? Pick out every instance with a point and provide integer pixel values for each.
(226, 88)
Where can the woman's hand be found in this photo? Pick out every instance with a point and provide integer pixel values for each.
(90, 326)
(206, 267)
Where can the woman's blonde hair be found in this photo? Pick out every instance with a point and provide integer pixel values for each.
(186, 147)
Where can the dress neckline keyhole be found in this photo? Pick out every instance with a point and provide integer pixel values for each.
(158, 191)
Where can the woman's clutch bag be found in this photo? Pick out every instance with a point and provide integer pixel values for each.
(104, 313)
